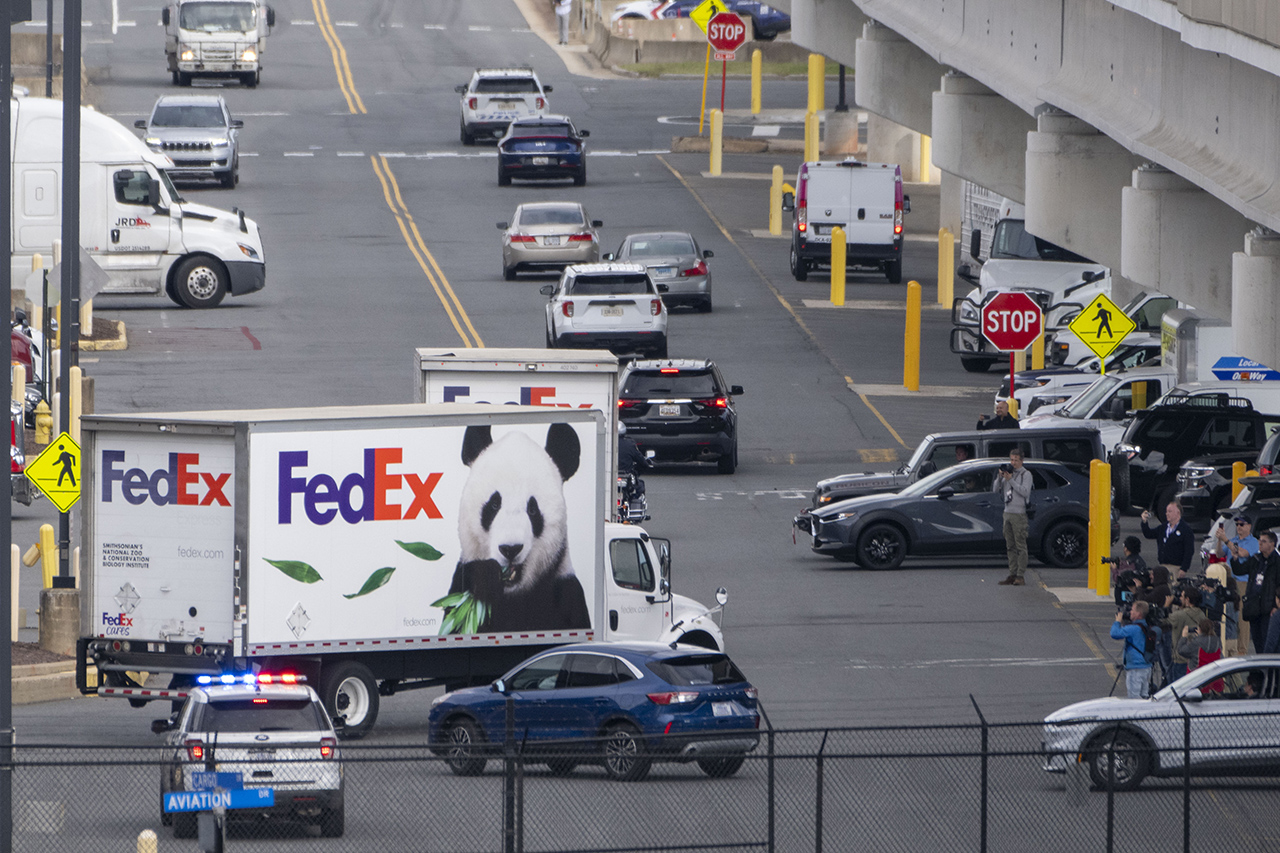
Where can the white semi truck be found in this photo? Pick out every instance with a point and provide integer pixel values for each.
(144, 235)
(372, 550)
(216, 38)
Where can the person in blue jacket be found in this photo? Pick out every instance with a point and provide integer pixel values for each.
(1137, 669)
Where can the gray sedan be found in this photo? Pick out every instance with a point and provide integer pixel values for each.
(198, 134)
(548, 236)
(673, 258)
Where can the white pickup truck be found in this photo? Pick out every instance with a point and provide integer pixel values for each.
(497, 96)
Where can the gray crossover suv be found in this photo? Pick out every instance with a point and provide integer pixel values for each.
(198, 133)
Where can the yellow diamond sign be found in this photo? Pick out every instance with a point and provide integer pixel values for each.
(56, 472)
(704, 11)
(1102, 326)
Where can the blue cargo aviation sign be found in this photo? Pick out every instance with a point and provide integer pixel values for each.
(205, 801)
(56, 472)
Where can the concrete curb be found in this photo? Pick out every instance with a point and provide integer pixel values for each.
(735, 145)
(44, 682)
(118, 341)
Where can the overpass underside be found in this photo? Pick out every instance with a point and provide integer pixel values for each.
(1140, 133)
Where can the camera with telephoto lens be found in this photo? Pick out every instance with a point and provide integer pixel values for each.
(1006, 468)
(1126, 578)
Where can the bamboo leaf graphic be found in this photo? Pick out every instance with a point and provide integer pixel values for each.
(299, 571)
(377, 579)
(451, 600)
(421, 550)
(450, 624)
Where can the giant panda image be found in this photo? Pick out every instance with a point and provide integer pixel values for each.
(512, 529)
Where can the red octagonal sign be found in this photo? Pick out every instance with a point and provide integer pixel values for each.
(726, 32)
(1012, 321)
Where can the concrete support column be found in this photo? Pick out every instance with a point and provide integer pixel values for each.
(1255, 311)
(888, 142)
(980, 136)
(951, 203)
(1178, 239)
(829, 27)
(894, 79)
(840, 138)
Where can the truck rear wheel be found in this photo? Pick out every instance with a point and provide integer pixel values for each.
(975, 365)
(799, 266)
(349, 691)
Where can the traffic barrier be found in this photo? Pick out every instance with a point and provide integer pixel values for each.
(48, 554)
(839, 250)
(757, 64)
(911, 339)
(77, 388)
(926, 158)
(1237, 471)
(775, 202)
(19, 384)
(946, 266)
(811, 130)
(147, 841)
(817, 82)
(717, 142)
(1037, 352)
(1099, 526)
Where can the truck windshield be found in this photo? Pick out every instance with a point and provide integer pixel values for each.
(219, 17)
(1012, 241)
(168, 189)
(1081, 406)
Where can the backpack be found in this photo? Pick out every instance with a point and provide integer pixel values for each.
(1148, 642)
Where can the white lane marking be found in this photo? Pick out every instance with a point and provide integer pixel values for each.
(392, 154)
(350, 153)
(345, 24)
(299, 153)
(475, 29)
(128, 24)
(766, 130)
(432, 27)
(654, 151)
(303, 23)
(248, 153)
(261, 115)
(789, 494)
(521, 30)
(396, 26)
(613, 154)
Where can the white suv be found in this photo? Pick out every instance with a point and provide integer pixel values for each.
(497, 96)
(275, 735)
(610, 306)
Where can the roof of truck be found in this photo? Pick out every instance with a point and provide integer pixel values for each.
(102, 138)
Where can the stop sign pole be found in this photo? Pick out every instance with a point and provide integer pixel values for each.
(1011, 322)
(726, 33)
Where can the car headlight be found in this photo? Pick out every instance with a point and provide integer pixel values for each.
(186, 54)
(436, 701)
(1128, 451)
(220, 143)
(249, 55)
(844, 516)
(249, 251)
(154, 142)
(968, 312)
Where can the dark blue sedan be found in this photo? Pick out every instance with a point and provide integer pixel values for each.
(543, 147)
(623, 705)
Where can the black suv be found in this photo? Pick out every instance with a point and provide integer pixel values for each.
(682, 410)
(1204, 483)
(1214, 428)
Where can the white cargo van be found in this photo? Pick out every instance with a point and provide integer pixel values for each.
(132, 220)
(865, 199)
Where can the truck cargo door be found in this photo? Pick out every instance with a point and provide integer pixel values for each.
(633, 611)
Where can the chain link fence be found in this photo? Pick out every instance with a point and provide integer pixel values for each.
(979, 787)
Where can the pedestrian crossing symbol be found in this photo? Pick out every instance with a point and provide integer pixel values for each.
(705, 11)
(1102, 326)
(56, 472)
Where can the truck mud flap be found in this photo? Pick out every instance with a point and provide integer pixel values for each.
(82, 667)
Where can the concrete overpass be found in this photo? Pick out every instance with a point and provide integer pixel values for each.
(1144, 134)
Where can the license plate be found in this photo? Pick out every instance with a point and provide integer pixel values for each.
(551, 241)
(664, 272)
(723, 709)
(611, 311)
(541, 161)
(669, 410)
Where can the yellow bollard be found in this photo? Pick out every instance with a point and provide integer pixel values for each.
(48, 554)
(1037, 352)
(147, 841)
(911, 339)
(14, 560)
(811, 137)
(839, 255)
(817, 82)
(1012, 403)
(717, 142)
(77, 388)
(775, 203)
(1237, 471)
(44, 423)
(1139, 395)
(1019, 361)
(19, 383)
(706, 73)
(946, 267)
(926, 158)
(1099, 526)
(756, 77)
(32, 556)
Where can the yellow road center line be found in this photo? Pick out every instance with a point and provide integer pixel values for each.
(340, 65)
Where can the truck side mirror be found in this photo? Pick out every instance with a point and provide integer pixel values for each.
(663, 547)
(597, 223)
(966, 272)
(500, 686)
(339, 724)
(708, 254)
(788, 201)
(547, 89)
(164, 16)
(140, 124)
(608, 256)
(153, 192)
(461, 90)
(159, 727)
(906, 204)
(584, 133)
(1117, 409)
(975, 243)
(502, 226)
(236, 124)
(735, 390)
(662, 288)
(271, 17)
(547, 289)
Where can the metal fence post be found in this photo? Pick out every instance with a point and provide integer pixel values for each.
(1186, 774)
(817, 830)
(982, 832)
(772, 791)
(1111, 791)
(520, 795)
(509, 781)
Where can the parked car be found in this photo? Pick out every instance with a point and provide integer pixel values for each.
(674, 259)
(1234, 727)
(623, 705)
(272, 731)
(1107, 404)
(766, 21)
(1053, 386)
(611, 306)
(954, 512)
(548, 235)
(1074, 446)
(198, 133)
(1215, 429)
(543, 148)
(497, 96)
(682, 410)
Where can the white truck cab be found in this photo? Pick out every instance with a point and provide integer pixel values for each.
(133, 222)
(216, 38)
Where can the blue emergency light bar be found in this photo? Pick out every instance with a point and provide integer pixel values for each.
(251, 678)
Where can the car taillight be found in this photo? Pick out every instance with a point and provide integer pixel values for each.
(195, 749)
(897, 211)
(700, 268)
(802, 200)
(328, 746)
(541, 102)
(566, 308)
(523, 238)
(655, 307)
(675, 697)
(752, 693)
(259, 701)
(15, 452)
(472, 102)
(628, 404)
(668, 370)
(802, 216)
(714, 403)
(1266, 470)
(581, 238)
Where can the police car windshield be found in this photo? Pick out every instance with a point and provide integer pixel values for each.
(505, 85)
(260, 714)
(604, 285)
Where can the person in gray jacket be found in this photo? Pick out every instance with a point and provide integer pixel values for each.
(1014, 485)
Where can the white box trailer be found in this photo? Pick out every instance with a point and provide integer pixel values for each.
(371, 549)
(564, 379)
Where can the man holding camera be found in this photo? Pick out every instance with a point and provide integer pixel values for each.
(1137, 669)
(1014, 485)
(1002, 420)
(1182, 621)
(1236, 550)
(1263, 571)
(1175, 543)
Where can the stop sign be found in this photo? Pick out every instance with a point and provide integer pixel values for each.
(726, 32)
(1012, 321)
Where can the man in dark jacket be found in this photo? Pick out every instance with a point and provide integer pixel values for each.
(1263, 570)
(1175, 543)
(1002, 420)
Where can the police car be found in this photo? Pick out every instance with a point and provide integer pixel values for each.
(273, 732)
(497, 96)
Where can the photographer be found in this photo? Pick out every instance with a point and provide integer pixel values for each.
(1200, 646)
(1002, 420)
(1181, 621)
(1134, 632)
(1128, 568)
(1236, 550)
(1263, 571)
(1014, 485)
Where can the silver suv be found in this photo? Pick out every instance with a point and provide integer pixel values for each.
(274, 735)
(497, 96)
(198, 134)
(610, 306)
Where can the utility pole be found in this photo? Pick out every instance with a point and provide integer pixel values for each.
(69, 328)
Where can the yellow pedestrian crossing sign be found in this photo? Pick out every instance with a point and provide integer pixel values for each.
(56, 472)
(705, 11)
(1102, 326)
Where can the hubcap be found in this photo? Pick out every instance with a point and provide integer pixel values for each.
(459, 742)
(352, 700)
(202, 283)
(620, 752)
(882, 548)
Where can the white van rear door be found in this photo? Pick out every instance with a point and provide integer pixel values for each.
(872, 200)
(828, 200)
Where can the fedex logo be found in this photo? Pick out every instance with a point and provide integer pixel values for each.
(530, 395)
(178, 484)
(118, 621)
(324, 497)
